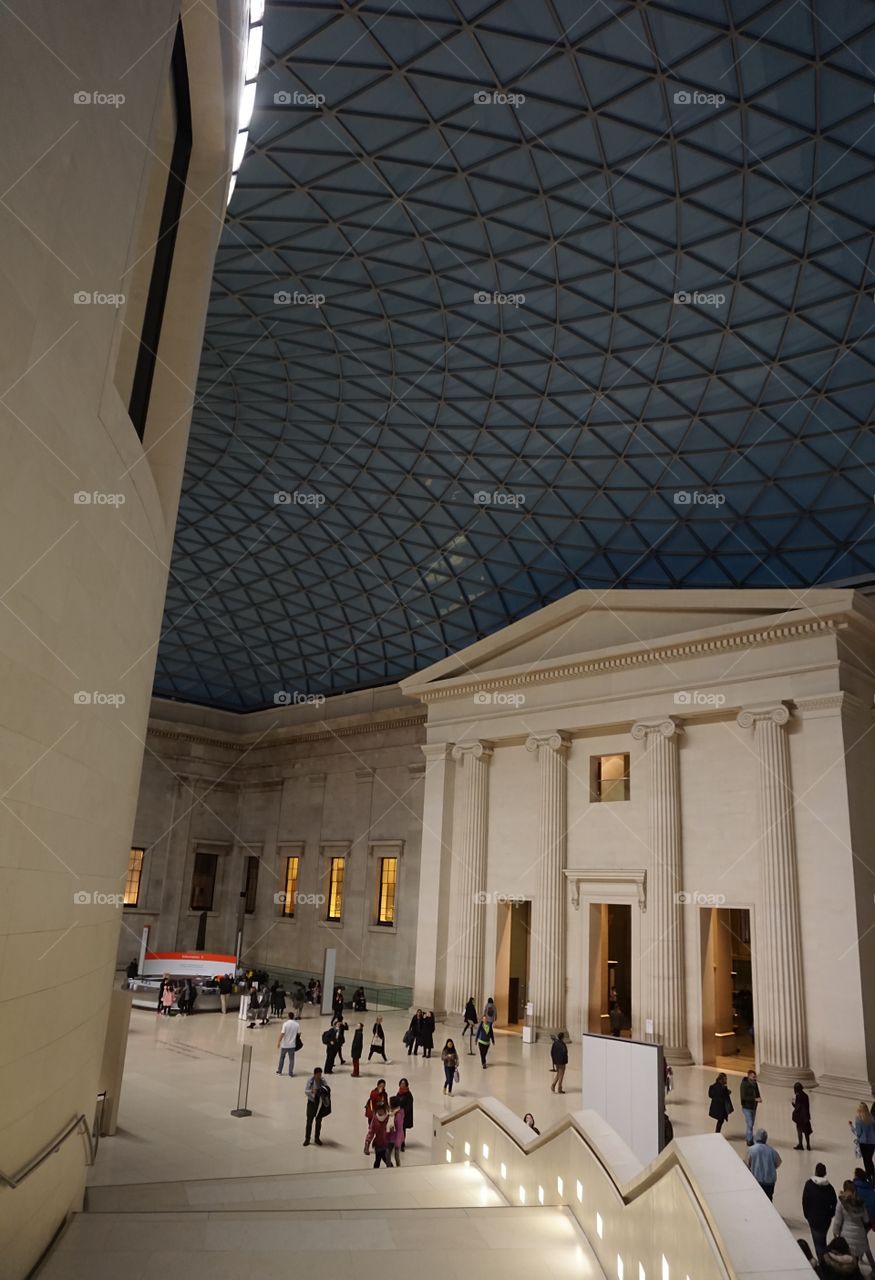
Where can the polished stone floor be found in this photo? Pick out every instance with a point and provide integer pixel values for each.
(181, 1084)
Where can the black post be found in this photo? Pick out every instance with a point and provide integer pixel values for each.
(243, 1086)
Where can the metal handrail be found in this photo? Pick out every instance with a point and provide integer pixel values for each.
(79, 1123)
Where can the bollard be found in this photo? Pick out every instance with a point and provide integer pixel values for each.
(243, 1087)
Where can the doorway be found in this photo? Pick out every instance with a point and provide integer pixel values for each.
(610, 966)
(512, 963)
(728, 1032)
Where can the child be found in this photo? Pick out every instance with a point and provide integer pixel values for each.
(380, 1137)
(358, 1040)
(396, 1112)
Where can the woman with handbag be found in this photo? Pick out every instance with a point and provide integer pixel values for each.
(721, 1102)
(378, 1040)
(450, 1059)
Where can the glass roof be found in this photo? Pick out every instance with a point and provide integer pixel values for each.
(519, 296)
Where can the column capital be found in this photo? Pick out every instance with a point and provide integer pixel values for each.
(777, 712)
(666, 726)
(436, 750)
(476, 750)
(558, 740)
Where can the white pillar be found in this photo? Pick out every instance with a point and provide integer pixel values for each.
(664, 959)
(547, 985)
(781, 1036)
(468, 900)
(434, 867)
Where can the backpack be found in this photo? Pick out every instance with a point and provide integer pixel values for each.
(299, 1043)
(325, 1100)
(327, 1036)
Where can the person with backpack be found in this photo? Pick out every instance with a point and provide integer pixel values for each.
(378, 1040)
(318, 1105)
(358, 1040)
(559, 1058)
(819, 1202)
(329, 1039)
(721, 1107)
(289, 1043)
(485, 1037)
(379, 1136)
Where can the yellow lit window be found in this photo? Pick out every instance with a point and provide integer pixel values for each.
(335, 888)
(388, 887)
(135, 873)
(291, 889)
(610, 778)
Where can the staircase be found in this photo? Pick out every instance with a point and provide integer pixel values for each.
(428, 1221)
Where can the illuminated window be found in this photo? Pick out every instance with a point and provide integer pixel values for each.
(291, 890)
(388, 887)
(251, 884)
(335, 888)
(609, 778)
(203, 881)
(135, 873)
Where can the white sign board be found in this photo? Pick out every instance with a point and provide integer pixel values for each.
(623, 1082)
(187, 964)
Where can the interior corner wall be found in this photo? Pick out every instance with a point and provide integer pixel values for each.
(85, 537)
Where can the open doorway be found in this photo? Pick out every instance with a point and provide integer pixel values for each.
(727, 989)
(610, 967)
(512, 963)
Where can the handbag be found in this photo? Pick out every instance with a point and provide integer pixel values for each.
(299, 1043)
(456, 1076)
(407, 1038)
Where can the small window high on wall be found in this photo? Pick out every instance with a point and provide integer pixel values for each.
(609, 778)
(203, 881)
(336, 872)
(290, 893)
(251, 884)
(387, 891)
(135, 875)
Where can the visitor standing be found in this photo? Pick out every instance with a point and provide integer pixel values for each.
(329, 1039)
(318, 1106)
(721, 1107)
(411, 1036)
(819, 1202)
(764, 1162)
(863, 1128)
(405, 1101)
(396, 1131)
(471, 1021)
(131, 971)
(277, 1000)
(226, 986)
(378, 1040)
(377, 1097)
(801, 1116)
(851, 1223)
(358, 1042)
(749, 1094)
(167, 998)
(337, 1003)
(288, 1044)
(559, 1058)
(426, 1033)
(450, 1059)
(341, 1029)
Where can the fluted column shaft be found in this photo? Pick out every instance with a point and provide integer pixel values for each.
(467, 908)
(782, 1039)
(547, 987)
(665, 957)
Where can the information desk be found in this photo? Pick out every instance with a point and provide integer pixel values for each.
(145, 996)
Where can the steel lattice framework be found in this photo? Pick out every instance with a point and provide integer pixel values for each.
(446, 464)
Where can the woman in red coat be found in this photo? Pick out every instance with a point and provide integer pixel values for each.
(801, 1116)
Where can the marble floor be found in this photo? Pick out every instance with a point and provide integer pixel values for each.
(181, 1079)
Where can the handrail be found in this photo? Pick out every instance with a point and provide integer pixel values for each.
(80, 1122)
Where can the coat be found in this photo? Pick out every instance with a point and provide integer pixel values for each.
(559, 1053)
(721, 1107)
(749, 1094)
(426, 1032)
(405, 1101)
(819, 1202)
(850, 1222)
(358, 1040)
(450, 1058)
(839, 1266)
(471, 1013)
(802, 1113)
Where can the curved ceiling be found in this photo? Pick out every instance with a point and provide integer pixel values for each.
(545, 294)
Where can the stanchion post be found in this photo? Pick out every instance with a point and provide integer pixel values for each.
(243, 1087)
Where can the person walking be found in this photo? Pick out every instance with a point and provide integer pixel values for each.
(764, 1162)
(318, 1106)
(819, 1202)
(471, 1021)
(484, 1040)
(226, 986)
(866, 1192)
(379, 1137)
(329, 1039)
(426, 1034)
(358, 1041)
(396, 1131)
(277, 1000)
(378, 1040)
(337, 1003)
(450, 1059)
(749, 1093)
(801, 1116)
(490, 1013)
(411, 1036)
(851, 1223)
(341, 1029)
(405, 1101)
(721, 1107)
(288, 1045)
(863, 1129)
(559, 1058)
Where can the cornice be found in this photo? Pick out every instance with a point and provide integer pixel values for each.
(774, 634)
(320, 735)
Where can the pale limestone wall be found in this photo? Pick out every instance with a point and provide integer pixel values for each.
(268, 785)
(83, 584)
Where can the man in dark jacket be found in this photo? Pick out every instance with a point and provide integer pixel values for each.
(749, 1094)
(818, 1207)
(225, 988)
(330, 1040)
(559, 1058)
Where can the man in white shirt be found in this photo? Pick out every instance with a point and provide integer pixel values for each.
(287, 1043)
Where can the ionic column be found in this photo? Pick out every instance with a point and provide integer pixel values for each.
(782, 1040)
(665, 956)
(547, 987)
(467, 906)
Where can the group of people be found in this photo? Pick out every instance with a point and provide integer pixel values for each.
(721, 1108)
(389, 1119)
(420, 1033)
(182, 995)
(840, 1222)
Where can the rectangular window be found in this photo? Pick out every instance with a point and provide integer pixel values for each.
(335, 888)
(251, 884)
(291, 890)
(388, 887)
(203, 881)
(609, 778)
(135, 873)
